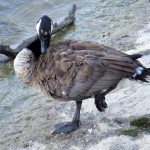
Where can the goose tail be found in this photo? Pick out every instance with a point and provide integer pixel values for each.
(142, 74)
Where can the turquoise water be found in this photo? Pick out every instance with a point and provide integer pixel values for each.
(96, 20)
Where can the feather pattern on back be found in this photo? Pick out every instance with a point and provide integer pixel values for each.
(75, 70)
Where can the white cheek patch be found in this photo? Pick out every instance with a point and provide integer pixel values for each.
(51, 26)
(38, 26)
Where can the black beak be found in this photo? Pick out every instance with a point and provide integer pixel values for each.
(44, 44)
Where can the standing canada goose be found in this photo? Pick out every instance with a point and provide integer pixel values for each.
(75, 70)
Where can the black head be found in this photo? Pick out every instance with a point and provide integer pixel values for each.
(44, 29)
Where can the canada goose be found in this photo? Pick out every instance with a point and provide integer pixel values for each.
(75, 70)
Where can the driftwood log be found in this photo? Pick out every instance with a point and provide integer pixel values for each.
(11, 53)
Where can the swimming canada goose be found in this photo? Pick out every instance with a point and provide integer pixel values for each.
(75, 70)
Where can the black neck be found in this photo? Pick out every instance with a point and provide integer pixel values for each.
(35, 47)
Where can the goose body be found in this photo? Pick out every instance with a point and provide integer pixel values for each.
(76, 70)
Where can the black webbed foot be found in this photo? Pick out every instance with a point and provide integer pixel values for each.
(100, 103)
(66, 127)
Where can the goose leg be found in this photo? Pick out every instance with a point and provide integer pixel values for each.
(100, 103)
(67, 127)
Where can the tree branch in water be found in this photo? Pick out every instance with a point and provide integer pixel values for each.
(11, 53)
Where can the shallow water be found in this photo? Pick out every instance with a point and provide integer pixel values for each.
(111, 22)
